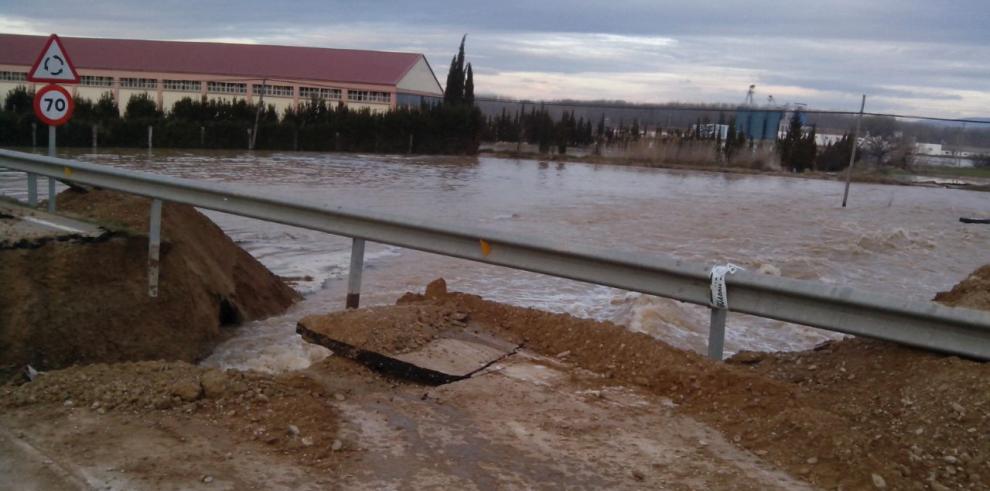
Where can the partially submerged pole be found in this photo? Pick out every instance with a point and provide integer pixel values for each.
(354, 274)
(852, 154)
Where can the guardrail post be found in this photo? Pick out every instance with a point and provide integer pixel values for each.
(716, 334)
(354, 274)
(32, 190)
(154, 246)
(51, 195)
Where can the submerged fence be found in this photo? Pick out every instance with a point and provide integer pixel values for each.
(835, 308)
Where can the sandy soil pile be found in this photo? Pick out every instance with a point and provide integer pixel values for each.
(856, 414)
(289, 413)
(973, 292)
(66, 302)
(391, 330)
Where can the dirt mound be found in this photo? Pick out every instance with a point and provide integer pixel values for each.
(390, 330)
(66, 302)
(290, 413)
(853, 414)
(973, 292)
(915, 418)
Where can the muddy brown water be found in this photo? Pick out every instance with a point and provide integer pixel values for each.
(900, 240)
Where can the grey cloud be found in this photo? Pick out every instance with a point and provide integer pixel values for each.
(912, 56)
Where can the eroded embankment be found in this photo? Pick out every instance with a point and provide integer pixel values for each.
(855, 413)
(83, 301)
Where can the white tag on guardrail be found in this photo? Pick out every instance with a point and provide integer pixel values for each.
(717, 276)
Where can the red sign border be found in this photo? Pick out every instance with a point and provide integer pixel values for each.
(37, 105)
(68, 61)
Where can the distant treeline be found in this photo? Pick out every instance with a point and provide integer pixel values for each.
(682, 115)
(449, 128)
(725, 142)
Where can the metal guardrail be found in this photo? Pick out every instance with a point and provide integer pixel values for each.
(836, 308)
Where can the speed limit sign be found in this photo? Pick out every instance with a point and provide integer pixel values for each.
(53, 105)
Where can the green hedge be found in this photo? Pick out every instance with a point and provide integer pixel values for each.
(440, 129)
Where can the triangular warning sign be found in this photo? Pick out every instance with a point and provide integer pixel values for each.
(53, 64)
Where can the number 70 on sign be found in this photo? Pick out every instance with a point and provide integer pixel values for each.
(53, 105)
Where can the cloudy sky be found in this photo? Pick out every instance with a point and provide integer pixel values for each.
(929, 57)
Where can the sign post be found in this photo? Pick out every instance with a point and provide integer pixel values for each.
(53, 105)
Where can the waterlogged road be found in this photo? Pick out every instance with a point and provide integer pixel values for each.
(905, 241)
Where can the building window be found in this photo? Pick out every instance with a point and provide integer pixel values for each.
(272, 90)
(368, 96)
(319, 93)
(183, 85)
(13, 76)
(139, 83)
(94, 81)
(226, 88)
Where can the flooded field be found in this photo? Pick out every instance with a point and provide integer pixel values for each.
(904, 241)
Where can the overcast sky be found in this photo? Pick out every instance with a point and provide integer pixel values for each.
(928, 57)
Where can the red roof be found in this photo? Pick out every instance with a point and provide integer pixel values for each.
(221, 59)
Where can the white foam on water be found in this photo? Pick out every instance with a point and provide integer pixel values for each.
(272, 345)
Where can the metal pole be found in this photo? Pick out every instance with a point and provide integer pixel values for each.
(150, 134)
(94, 138)
(257, 114)
(354, 274)
(32, 190)
(716, 334)
(51, 180)
(522, 128)
(34, 135)
(852, 155)
(154, 246)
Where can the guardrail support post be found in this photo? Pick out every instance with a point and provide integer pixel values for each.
(354, 274)
(32, 190)
(154, 246)
(716, 334)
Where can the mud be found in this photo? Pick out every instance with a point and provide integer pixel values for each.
(391, 330)
(166, 425)
(837, 416)
(68, 302)
(972, 293)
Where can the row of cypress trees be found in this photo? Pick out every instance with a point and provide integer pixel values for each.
(451, 127)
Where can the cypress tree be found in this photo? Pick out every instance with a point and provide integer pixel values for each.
(453, 91)
(469, 86)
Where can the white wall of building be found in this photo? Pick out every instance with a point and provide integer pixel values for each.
(420, 79)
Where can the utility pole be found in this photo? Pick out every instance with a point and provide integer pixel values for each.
(257, 114)
(522, 128)
(852, 154)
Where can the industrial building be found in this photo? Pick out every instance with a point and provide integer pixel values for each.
(284, 76)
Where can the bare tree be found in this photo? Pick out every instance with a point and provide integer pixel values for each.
(877, 147)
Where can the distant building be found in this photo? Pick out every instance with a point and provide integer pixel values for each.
(759, 124)
(169, 71)
(948, 155)
(711, 131)
(826, 139)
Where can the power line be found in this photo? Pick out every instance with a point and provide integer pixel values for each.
(603, 105)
